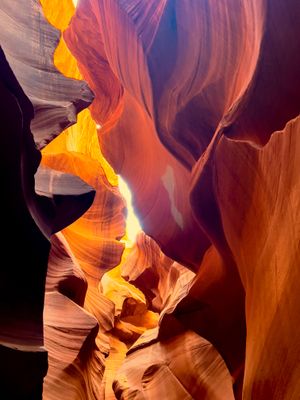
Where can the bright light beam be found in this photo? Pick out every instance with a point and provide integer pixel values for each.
(133, 226)
(75, 2)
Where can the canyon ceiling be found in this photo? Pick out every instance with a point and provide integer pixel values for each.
(195, 104)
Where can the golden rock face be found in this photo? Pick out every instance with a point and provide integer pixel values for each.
(196, 105)
(93, 245)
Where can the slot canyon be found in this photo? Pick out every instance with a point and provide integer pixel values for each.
(150, 172)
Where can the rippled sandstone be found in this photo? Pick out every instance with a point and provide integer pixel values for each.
(196, 104)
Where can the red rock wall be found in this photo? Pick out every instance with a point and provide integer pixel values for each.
(28, 221)
(197, 107)
(194, 74)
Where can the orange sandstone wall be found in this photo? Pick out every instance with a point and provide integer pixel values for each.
(196, 104)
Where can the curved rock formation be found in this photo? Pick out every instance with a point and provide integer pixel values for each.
(266, 202)
(184, 367)
(94, 238)
(18, 286)
(70, 334)
(161, 280)
(197, 107)
(27, 219)
(29, 42)
(28, 216)
(69, 195)
(162, 177)
(215, 87)
(64, 274)
(272, 97)
(93, 242)
(171, 108)
(210, 303)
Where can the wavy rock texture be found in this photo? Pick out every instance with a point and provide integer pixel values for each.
(196, 106)
(131, 320)
(184, 367)
(92, 241)
(268, 204)
(170, 219)
(94, 237)
(70, 334)
(210, 303)
(64, 274)
(29, 42)
(28, 220)
(77, 151)
(75, 360)
(21, 290)
(69, 194)
(165, 116)
(160, 279)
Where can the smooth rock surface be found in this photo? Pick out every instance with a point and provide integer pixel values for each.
(29, 42)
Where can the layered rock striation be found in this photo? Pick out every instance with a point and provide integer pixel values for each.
(29, 42)
(198, 92)
(196, 104)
